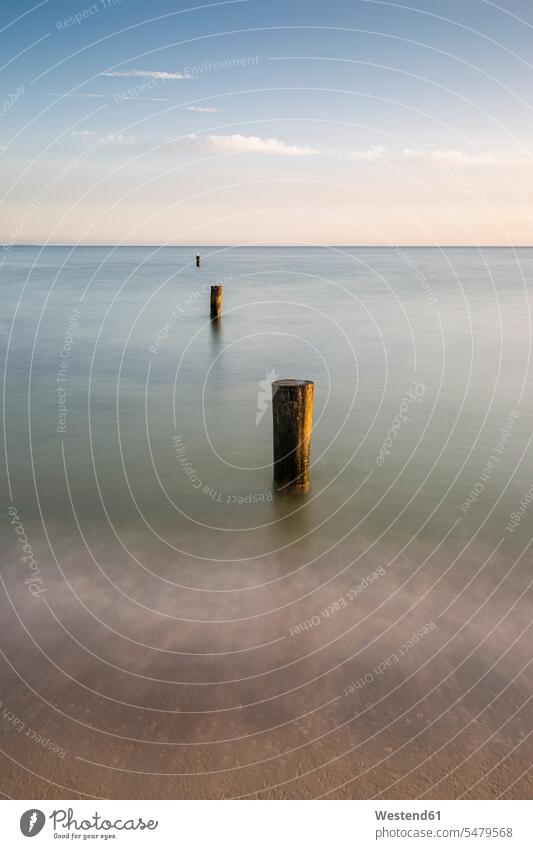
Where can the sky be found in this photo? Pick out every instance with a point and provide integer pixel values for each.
(351, 122)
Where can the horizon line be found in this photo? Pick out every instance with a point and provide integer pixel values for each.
(7, 247)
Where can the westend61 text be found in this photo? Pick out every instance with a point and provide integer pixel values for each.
(407, 815)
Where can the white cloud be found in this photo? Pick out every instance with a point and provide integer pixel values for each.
(77, 94)
(459, 157)
(86, 136)
(374, 153)
(121, 140)
(114, 139)
(237, 144)
(204, 108)
(210, 144)
(153, 75)
(117, 98)
(120, 98)
(253, 144)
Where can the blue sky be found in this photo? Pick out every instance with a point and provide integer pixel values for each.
(355, 122)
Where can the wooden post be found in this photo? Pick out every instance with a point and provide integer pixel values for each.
(216, 301)
(197, 260)
(292, 413)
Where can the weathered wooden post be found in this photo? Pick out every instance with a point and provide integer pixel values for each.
(216, 301)
(292, 413)
(197, 260)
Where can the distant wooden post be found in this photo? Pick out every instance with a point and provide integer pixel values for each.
(216, 301)
(292, 413)
(197, 260)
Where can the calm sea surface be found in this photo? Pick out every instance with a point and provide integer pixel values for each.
(138, 448)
